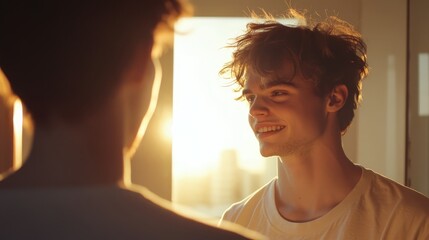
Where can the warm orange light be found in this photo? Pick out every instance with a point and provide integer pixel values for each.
(167, 129)
(215, 154)
(206, 118)
(17, 133)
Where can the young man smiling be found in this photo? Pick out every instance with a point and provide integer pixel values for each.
(303, 85)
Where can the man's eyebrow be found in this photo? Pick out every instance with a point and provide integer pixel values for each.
(270, 84)
(278, 82)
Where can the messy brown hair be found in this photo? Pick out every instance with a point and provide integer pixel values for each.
(328, 53)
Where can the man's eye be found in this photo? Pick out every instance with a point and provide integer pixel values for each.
(249, 98)
(278, 93)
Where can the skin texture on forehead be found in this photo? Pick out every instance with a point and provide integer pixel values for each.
(286, 74)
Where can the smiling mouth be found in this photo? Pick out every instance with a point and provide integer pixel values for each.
(269, 129)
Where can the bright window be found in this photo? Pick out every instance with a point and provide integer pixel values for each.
(216, 158)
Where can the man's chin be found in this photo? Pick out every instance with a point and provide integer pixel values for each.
(265, 152)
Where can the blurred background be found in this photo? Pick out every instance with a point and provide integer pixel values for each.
(199, 151)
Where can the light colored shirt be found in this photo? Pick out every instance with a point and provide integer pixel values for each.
(376, 208)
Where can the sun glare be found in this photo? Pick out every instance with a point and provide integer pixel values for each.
(167, 129)
(207, 119)
(216, 158)
(18, 117)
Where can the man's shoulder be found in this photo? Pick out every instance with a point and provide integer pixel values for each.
(404, 210)
(125, 213)
(251, 203)
(402, 196)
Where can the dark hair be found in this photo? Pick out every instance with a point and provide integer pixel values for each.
(64, 58)
(328, 53)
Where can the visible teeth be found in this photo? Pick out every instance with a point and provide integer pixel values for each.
(270, 129)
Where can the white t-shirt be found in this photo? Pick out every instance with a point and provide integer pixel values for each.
(377, 208)
(102, 212)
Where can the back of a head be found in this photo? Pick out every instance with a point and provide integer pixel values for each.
(328, 53)
(64, 58)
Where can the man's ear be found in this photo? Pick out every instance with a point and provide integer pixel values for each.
(337, 98)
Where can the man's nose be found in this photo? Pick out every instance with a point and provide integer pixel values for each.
(258, 107)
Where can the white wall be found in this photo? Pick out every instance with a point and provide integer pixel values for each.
(418, 154)
(381, 119)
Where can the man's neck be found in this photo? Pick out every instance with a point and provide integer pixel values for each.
(72, 155)
(310, 185)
